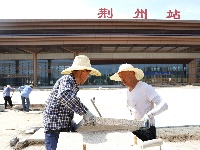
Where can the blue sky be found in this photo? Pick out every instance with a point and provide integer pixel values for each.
(88, 9)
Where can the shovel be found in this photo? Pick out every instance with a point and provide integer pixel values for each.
(93, 102)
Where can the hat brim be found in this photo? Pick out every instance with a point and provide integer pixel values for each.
(115, 77)
(138, 74)
(69, 70)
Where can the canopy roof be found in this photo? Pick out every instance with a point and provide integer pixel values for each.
(99, 36)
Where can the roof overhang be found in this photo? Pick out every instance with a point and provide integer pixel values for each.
(99, 36)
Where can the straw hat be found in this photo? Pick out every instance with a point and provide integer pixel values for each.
(128, 67)
(81, 62)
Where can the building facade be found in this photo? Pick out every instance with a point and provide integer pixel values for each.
(36, 51)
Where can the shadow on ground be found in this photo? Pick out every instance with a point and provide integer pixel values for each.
(33, 107)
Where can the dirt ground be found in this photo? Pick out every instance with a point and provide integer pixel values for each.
(14, 122)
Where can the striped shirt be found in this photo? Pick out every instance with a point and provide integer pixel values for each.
(62, 103)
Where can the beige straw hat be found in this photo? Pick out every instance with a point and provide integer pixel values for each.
(128, 67)
(81, 62)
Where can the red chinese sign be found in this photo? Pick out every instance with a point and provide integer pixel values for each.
(175, 15)
(105, 13)
(139, 13)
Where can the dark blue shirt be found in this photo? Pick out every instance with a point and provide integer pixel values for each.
(62, 103)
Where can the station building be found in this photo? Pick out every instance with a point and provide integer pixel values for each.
(36, 51)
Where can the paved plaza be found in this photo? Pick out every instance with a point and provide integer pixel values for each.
(183, 103)
(183, 110)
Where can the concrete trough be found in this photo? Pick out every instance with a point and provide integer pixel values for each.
(109, 124)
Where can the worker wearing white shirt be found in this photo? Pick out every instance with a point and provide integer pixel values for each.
(141, 98)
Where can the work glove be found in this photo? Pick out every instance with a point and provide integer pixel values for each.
(73, 126)
(89, 118)
(145, 119)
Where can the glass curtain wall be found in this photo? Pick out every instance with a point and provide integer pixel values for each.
(50, 70)
(8, 72)
(198, 70)
(166, 73)
(153, 73)
(20, 72)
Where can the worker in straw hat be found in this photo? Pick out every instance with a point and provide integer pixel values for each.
(63, 101)
(141, 98)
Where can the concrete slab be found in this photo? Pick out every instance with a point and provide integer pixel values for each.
(30, 131)
(34, 112)
(70, 141)
(2, 107)
(97, 140)
(112, 147)
(38, 136)
(109, 124)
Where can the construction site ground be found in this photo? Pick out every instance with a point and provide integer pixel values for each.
(179, 126)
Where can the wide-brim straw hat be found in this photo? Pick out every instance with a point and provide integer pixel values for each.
(139, 74)
(81, 62)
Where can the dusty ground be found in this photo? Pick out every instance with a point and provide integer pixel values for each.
(15, 122)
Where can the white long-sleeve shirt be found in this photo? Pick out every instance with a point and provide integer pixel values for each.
(141, 101)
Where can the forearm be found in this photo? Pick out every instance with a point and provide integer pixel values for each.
(159, 108)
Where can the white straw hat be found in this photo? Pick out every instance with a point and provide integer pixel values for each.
(81, 62)
(139, 74)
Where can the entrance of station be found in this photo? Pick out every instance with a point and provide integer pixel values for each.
(165, 79)
(159, 79)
